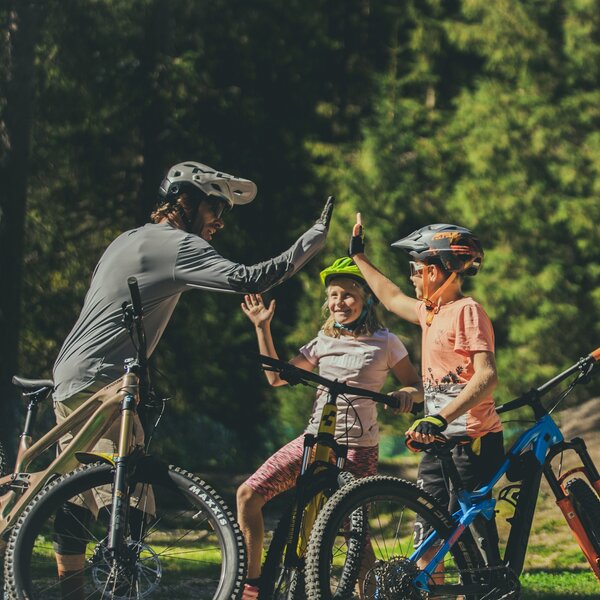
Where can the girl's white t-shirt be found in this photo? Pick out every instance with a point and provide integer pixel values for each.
(363, 362)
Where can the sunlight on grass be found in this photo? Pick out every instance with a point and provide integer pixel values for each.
(544, 585)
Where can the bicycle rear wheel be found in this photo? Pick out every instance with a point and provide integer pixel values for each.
(3, 461)
(189, 546)
(386, 570)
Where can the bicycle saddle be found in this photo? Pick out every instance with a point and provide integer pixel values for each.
(33, 385)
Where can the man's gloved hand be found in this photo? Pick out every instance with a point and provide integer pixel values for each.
(325, 217)
(357, 241)
(429, 425)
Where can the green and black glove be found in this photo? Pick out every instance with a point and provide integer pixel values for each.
(429, 425)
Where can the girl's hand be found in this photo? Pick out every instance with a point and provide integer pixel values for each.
(254, 308)
(405, 401)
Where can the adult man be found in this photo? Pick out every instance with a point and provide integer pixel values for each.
(168, 257)
(458, 363)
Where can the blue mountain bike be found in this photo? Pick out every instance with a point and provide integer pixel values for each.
(449, 563)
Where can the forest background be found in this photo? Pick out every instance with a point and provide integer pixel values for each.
(485, 114)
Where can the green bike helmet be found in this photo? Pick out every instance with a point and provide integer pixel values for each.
(342, 267)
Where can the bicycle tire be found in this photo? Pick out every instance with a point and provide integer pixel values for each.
(4, 470)
(276, 582)
(390, 569)
(191, 544)
(587, 507)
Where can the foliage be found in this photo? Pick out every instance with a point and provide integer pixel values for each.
(468, 111)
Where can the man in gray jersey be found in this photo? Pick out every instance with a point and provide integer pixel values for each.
(169, 256)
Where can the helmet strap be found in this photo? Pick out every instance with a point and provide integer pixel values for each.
(432, 307)
(352, 327)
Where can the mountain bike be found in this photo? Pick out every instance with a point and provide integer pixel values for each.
(146, 529)
(400, 515)
(282, 573)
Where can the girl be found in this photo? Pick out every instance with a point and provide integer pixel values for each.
(352, 346)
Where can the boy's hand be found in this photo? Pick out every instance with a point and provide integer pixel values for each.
(254, 308)
(427, 429)
(357, 241)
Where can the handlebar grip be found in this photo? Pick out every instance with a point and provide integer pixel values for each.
(415, 446)
(596, 354)
(136, 299)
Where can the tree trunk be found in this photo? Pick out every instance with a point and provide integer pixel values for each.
(15, 127)
(153, 118)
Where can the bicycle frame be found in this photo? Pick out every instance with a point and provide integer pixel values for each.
(315, 462)
(97, 415)
(541, 443)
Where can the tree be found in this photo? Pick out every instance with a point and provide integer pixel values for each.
(19, 25)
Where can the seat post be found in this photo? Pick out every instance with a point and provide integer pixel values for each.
(26, 438)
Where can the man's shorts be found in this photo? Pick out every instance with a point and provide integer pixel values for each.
(108, 444)
(280, 471)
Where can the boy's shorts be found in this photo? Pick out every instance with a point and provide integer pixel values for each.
(475, 468)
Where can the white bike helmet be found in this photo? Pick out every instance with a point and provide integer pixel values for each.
(233, 190)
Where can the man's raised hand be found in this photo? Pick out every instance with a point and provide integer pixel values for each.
(325, 217)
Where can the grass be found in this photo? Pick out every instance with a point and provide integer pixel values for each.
(559, 585)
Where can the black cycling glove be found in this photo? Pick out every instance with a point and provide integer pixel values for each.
(357, 244)
(325, 217)
(429, 425)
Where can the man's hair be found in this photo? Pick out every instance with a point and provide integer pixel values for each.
(172, 209)
(371, 324)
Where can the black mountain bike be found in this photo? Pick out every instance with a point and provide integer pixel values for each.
(319, 477)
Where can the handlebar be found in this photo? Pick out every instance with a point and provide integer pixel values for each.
(531, 398)
(294, 375)
(585, 367)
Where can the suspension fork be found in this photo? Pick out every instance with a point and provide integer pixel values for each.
(120, 497)
(589, 470)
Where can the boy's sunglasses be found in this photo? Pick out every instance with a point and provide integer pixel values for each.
(416, 269)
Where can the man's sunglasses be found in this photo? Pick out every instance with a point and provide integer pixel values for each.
(218, 206)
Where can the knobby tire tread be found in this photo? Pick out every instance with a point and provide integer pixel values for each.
(88, 476)
(587, 506)
(326, 527)
(277, 548)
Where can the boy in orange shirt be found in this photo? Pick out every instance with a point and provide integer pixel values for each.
(458, 363)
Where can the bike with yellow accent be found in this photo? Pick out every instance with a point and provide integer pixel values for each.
(321, 475)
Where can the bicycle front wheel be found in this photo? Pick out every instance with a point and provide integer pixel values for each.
(187, 545)
(396, 511)
(281, 582)
(587, 506)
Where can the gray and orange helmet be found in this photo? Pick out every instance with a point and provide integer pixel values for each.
(457, 249)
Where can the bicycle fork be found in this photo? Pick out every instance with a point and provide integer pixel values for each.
(120, 504)
(589, 470)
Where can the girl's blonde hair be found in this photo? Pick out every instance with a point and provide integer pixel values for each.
(369, 326)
